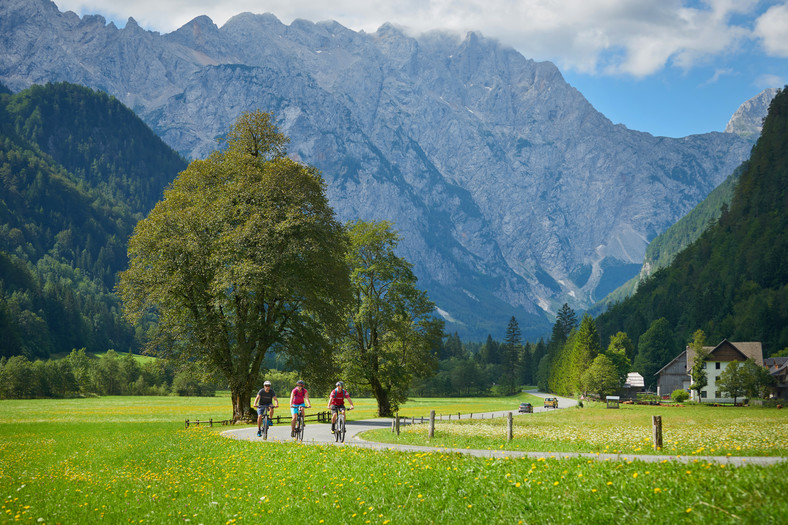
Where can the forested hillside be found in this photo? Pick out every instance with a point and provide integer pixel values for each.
(733, 281)
(77, 171)
(663, 249)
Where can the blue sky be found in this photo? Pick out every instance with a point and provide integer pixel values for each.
(667, 67)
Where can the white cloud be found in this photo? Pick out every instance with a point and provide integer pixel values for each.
(719, 73)
(772, 29)
(629, 37)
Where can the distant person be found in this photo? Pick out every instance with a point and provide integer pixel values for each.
(336, 402)
(265, 400)
(299, 399)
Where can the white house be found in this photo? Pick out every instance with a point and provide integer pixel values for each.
(676, 374)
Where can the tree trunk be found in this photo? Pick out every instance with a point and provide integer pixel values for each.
(242, 409)
(382, 397)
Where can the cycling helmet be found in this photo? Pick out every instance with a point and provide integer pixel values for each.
(300, 382)
(340, 383)
(267, 383)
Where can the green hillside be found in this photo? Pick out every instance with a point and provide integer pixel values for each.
(732, 282)
(663, 249)
(77, 171)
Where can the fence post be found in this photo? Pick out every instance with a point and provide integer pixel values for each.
(509, 426)
(432, 424)
(211, 421)
(656, 422)
(396, 424)
(187, 423)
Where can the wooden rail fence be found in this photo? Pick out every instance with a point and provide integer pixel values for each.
(320, 417)
(395, 422)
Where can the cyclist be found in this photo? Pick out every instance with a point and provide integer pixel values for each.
(336, 402)
(265, 400)
(299, 397)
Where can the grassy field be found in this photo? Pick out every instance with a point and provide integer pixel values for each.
(129, 460)
(699, 430)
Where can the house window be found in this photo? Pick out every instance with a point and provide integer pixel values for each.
(703, 394)
(717, 394)
(717, 365)
(704, 365)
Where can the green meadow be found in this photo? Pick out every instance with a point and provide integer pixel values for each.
(130, 460)
(691, 430)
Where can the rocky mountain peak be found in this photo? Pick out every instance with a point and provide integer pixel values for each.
(747, 121)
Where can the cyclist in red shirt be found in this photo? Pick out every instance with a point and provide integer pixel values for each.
(299, 397)
(336, 402)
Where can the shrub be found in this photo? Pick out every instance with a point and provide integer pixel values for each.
(679, 396)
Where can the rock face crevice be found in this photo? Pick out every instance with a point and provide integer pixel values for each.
(512, 194)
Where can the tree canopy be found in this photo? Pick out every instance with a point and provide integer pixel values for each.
(393, 334)
(242, 255)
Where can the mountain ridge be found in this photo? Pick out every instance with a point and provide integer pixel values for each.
(512, 193)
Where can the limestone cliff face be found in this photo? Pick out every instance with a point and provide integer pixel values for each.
(512, 194)
(747, 121)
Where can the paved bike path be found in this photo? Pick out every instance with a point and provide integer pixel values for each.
(320, 434)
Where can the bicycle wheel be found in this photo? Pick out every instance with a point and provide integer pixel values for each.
(337, 427)
(265, 427)
(301, 425)
(341, 427)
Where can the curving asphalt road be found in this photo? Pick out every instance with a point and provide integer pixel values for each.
(320, 434)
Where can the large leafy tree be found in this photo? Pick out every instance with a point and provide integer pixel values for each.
(393, 334)
(600, 378)
(731, 381)
(242, 255)
(756, 379)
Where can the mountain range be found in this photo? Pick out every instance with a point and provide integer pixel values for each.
(512, 194)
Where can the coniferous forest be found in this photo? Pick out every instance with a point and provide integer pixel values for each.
(733, 281)
(77, 171)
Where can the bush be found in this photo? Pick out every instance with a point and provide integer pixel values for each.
(679, 396)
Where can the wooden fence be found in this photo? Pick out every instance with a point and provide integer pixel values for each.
(431, 420)
(320, 417)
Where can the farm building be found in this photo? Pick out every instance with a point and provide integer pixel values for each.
(675, 375)
(778, 368)
(633, 384)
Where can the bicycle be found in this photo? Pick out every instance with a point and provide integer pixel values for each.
(339, 427)
(300, 424)
(265, 424)
(264, 428)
